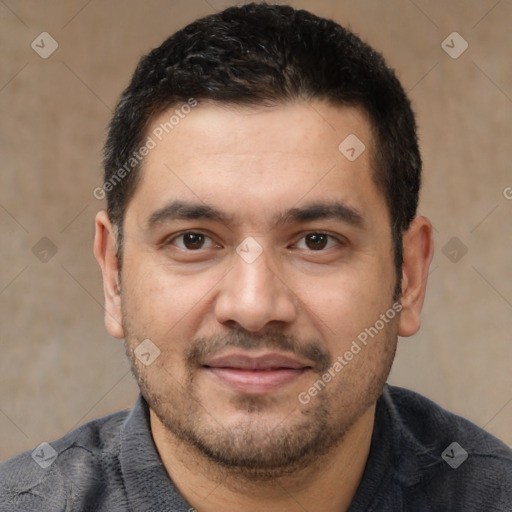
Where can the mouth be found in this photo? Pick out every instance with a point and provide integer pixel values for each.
(256, 374)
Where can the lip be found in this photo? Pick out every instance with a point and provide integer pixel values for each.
(256, 374)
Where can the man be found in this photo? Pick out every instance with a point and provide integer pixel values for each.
(260, 255)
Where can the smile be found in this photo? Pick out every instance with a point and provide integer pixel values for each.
(256, 375)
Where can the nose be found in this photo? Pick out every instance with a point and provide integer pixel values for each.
(252, 296)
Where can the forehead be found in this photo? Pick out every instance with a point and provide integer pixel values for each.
(296, 128)
(256, 160)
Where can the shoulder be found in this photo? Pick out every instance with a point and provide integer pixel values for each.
(429, 424)
(48, 477)
(449, 460)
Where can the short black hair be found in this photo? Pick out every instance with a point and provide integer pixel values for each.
(261, 54)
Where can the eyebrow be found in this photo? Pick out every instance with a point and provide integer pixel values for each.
(336, 210)
(182, 210)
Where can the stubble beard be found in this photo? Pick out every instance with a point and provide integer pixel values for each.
(257, 449)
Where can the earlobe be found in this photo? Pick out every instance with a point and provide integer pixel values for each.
(105, 251)
(418, 249)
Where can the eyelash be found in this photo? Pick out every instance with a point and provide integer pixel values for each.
(180, 235)
(172, 239)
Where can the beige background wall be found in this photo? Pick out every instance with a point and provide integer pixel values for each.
(59, 367)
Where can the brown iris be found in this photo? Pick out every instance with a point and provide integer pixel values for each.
(316, 241)
(193, 240)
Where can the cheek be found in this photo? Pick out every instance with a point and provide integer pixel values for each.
(161, 303)
(342, 305)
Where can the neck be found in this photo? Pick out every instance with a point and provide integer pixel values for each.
(327, 485)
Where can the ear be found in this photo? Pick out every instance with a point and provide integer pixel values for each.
(418, 249)
(105, 251)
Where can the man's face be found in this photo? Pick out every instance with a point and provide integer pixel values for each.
(255, 253)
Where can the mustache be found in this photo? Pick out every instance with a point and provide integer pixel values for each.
(200, 349)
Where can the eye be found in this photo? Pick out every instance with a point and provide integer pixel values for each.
(192, 241)
(317, 241)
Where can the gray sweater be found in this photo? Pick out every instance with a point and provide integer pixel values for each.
(422, 458)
